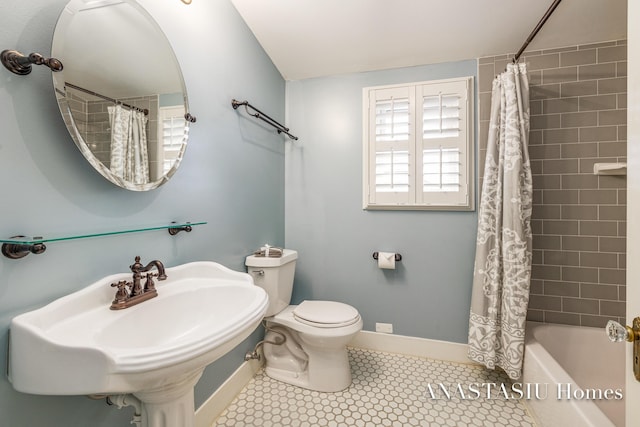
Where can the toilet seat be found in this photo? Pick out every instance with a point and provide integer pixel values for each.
(326, 314)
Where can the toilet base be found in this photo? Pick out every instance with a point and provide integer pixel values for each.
(329, 372)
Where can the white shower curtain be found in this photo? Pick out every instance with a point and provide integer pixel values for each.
(129, 157)
(502, 269)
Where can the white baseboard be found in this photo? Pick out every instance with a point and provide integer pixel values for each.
(210, 410)
(412, 346)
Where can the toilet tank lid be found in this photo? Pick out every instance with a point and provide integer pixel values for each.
(288, 255)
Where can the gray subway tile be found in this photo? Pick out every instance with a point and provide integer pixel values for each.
(579, 212)
(579, 243)
(612, 117)
(535, 315)
(546, 272)
(545, 121)
(543, 302)
(579, 150)
(598, 228)
(560, 105)
(535, 137)
(544, 151)
(580, 305)
(542, 61)
(546, 182)
(598, 71)
(579, 57)
(612, 181)
(596, 45)
(598, 133)
(544, 91)
(586, 164)
(560, 166)
(560, 288)
(612, 54)
(486, 73)
(546, 212)
(580, 88)
(598, 102)
(563, 196)
(615, 85)
(579, 274)
(612, 308)
(561, 227)
(560, 49)
(612, 244)
(622, 100)
(612, 213)
(599, 259)
(621, 69)
(579, 181)
(593, 321)
(560, 75)
(547, 242)
(572, 120)
(562, 318)
(598, 291)
(552, 257)
(559, 136)
(535, 107)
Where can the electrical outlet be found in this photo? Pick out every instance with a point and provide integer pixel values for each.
(385, 328)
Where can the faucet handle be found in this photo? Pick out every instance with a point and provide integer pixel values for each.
(148, 284)
(122, 294)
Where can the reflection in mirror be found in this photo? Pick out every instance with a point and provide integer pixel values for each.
(121, 93)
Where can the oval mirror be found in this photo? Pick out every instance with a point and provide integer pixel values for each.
(121, 92)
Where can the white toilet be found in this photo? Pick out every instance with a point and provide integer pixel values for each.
(314, 355)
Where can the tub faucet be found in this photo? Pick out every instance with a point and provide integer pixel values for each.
(138, 293)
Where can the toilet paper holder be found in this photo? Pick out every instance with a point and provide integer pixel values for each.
(398, 257)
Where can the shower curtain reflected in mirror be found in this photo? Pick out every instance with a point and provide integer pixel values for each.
(129, 157)
(502, 271)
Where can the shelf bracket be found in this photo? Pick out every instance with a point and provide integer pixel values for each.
(175, 230)
(21, 250)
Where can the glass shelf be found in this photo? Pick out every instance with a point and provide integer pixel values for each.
(20, 246)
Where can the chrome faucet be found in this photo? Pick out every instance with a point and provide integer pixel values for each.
(138, 293)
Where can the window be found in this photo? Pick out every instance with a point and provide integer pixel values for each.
(418, 146)
(171, 125)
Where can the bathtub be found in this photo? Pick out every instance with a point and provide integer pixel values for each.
(572, 357)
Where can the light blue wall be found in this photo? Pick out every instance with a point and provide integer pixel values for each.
(232, 177)
(428, 295)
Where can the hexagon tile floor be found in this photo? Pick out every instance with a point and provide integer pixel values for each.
(388, 390)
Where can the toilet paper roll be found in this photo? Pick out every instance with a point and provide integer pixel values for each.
(387, 260)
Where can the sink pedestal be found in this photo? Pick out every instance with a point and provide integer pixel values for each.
(171, 405)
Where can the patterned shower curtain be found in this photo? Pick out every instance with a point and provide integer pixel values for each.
(502, 269)
(129, 156)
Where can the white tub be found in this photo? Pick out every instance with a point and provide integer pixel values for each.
(558, 355)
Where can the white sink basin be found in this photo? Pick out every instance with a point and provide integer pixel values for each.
(77, 345)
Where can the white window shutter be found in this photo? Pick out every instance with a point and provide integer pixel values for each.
(392, 146)
(443, 142)
(418, 145)
(171, 133)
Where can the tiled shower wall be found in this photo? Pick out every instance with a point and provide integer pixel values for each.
(578, 118)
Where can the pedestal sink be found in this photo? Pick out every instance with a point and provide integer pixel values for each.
(156, 350)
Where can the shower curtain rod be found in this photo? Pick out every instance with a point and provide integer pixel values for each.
(262, 116)
(106, 98)
(538, 27)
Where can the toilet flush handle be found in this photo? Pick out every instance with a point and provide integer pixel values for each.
(258, 272)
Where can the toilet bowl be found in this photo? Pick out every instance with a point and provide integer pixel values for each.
(313, 354)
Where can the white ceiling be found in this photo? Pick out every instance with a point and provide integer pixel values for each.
(312, 38)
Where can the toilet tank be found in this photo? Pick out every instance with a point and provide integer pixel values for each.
(275, 276)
